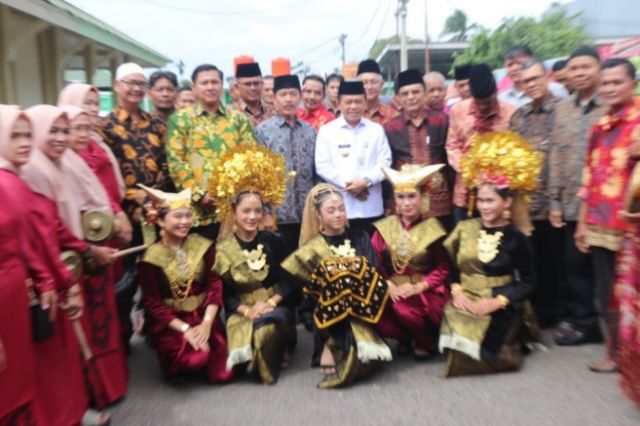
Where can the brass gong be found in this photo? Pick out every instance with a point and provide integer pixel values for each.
(97, 225)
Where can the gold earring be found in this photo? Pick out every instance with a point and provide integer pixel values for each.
(506, 214)
(321, 228)
(234, 228)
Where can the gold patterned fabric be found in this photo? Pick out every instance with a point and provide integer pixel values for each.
(461, 330)
(182, 268)
(261, 347)
(347, 287)
(411, 247)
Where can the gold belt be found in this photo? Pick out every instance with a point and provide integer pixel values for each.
(404, 279)
(188, 304)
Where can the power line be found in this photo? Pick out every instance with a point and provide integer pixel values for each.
(366, 28)
(384, 20)
(309, 49)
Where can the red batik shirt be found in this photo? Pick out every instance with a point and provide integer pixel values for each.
(316, 118)
(382, 114)
(607, 170)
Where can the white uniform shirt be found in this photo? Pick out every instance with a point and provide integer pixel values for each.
(518, 99)
(345, 153)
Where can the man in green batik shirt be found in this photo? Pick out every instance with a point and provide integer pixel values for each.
(196, 136)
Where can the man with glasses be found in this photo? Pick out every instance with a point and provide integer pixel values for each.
(371, 77)
(163, 90)
(250, 84)
(136, 139)
(196, 137)
(535, 121)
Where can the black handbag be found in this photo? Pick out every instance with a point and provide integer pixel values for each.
(40, 322)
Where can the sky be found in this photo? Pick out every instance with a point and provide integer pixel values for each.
(216, 31)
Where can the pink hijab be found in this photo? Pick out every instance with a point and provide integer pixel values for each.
(47, 177)
(9, 114)
(79, 175)
(74, 94)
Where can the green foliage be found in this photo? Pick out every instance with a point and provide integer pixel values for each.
(380, 44)
(456, 25)
(552, 36)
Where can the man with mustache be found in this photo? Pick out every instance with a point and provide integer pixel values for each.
(286, 134)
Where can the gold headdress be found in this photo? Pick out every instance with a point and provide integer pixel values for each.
(504, 159)
(169, 200)
(410, 177)
(247, 168)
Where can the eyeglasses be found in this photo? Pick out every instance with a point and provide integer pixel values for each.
(135, 84)
(532, 79)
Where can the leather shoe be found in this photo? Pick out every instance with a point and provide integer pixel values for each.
(577, 337)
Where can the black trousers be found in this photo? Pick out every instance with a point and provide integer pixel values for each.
(547, 242)
(365, 224)
(290, 233)
(603, 270)
(578, 284)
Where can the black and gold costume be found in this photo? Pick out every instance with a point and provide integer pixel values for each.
(251, 273)
(339, 272)
(488, 262)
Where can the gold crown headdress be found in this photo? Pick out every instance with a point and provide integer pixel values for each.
(247, 168)
(410, 177)
(504, 159)
(169, 200)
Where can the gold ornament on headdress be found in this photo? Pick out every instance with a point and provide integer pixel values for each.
(504, 159)
(247, 168)
(170, 200)
(410, 177)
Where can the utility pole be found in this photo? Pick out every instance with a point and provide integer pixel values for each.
(341, 40)
(427, 59)
(402, 12)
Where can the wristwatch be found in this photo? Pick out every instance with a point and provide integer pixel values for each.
(369, 183)
(184, 327)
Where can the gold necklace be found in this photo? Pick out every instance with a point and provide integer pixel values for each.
(343, 250)
(488, 245)
(402, 252)
(256, 259)
(181, 284)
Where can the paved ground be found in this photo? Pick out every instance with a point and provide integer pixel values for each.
(554, 388)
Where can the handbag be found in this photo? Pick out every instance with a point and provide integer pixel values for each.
(42, 326)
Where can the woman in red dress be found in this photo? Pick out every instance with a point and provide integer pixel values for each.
(182, 296)
(56, 215)
(100, 318)
(414, 263)
(19, 259)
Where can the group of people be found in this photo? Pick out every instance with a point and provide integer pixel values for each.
(459, 226)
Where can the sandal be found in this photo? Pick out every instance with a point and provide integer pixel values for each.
(606, 366)
(286, 361)
(328, 370)
(95, 418)
(421, 355)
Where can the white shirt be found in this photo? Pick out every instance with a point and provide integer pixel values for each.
(345, 153)
(517, 99)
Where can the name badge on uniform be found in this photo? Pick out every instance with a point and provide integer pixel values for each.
(345, 149)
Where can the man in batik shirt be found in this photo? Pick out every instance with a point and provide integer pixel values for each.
(250, 84)
(287, 135)
(371, 77)
(197, 136)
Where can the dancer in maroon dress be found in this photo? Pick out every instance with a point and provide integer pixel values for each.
(182, 297)
(414, 263)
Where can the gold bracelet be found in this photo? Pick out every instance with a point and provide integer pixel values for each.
(504, 301)
(272, 303)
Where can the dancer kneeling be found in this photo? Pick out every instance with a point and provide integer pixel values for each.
(337, 267)
(258, 296)
(181, 296)
(414, 263)
(484, 323)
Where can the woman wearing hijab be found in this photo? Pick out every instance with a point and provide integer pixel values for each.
(61, 385)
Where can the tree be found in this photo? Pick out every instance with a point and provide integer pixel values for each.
(379, 45)
(554, 35)
(456, 25)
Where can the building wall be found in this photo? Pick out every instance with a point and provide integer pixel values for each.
(605, 19)
(27, 75)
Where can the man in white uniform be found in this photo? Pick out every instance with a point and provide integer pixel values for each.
(350, 151)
